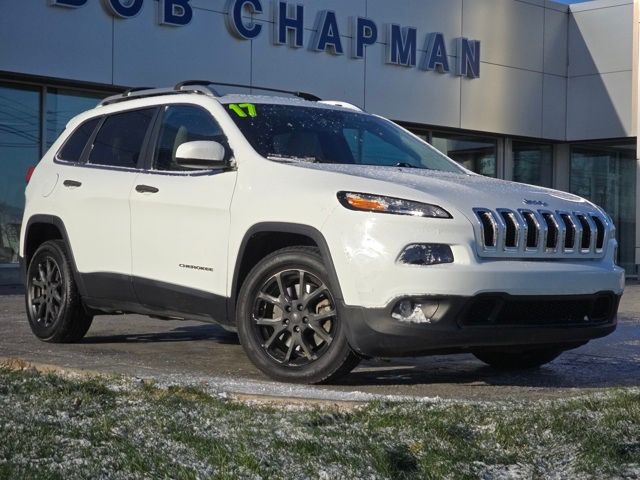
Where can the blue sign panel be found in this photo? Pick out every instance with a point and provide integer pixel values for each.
(124, 9)
(401, 42)
(365, 34)
(436, 54)
(402, 45)
(288, 24)
(327, 38)
(468, 58)
(175, 12)
(237, 25)
(68, 3)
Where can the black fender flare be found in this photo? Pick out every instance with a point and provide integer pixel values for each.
(282, 227)
(59, 224)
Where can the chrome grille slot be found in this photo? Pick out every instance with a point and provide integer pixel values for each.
(489, 228)
(533, 229)
(511, 237)
(600, 232)
(585, 242)
(553, 229)
(529, 233)
(570, 236)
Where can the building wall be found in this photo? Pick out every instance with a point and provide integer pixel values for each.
(600, 83)
(523, 88)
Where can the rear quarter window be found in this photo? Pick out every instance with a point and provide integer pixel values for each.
(120, 138)
(72, 149)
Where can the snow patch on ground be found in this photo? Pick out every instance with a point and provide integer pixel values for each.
(223, 386)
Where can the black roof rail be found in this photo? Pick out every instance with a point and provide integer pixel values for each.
(203, 87)
(138, 93)
(129, 91)
(305, 96)
(196, 83)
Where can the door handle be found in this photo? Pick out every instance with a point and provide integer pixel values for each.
(146, 189)
(72, 183)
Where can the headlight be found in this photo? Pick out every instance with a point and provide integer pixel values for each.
(365, 202)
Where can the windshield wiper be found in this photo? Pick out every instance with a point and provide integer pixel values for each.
(291, 158)
(405, 165)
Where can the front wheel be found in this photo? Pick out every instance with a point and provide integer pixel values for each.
(526, 359)
(54, 307)
(289, 322)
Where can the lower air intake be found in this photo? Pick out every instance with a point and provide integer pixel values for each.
(501, 309)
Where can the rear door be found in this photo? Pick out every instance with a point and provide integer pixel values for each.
(180, 221)
(93, 201)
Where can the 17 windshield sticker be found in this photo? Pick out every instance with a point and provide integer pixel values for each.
(244, 110)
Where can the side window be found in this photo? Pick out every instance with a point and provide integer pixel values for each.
(180, 124)
(119, 140)
(72, 149)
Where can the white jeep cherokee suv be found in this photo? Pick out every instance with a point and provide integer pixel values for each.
(323, 234)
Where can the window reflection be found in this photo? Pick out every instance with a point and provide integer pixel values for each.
(478, 154)
(62, 106)
(606, 175)
(533, 163)
(19, 149)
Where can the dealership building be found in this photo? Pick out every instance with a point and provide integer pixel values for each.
(527, 90)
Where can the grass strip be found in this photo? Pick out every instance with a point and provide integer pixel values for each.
(54, 427)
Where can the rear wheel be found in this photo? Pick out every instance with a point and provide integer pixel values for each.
(289, 322)
(54, 308)
(518, 360)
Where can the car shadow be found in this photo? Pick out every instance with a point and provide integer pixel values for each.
(571, 370)
(611, 362)
(187, 333)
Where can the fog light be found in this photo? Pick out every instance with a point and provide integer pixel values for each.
(426, 254)
(409, 311)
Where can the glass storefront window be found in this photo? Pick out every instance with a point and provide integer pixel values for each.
(62, 106)
(606, 175)
(21, 143)
(19, 149)
(478, 154)
(533, 163)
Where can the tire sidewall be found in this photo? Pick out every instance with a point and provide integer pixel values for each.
(54, 251)
(334, 356)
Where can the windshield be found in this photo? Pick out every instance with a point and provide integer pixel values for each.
(292, 133)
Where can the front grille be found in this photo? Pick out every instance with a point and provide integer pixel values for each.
(541, 233)
(500, 309)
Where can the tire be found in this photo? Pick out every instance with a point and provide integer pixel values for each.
(523, 360)
(288, 336)
(54, 307)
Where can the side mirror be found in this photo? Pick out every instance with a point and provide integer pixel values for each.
(201, 155)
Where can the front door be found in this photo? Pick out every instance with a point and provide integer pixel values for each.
(180, 222)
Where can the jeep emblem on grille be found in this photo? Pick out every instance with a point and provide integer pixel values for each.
(538, 203)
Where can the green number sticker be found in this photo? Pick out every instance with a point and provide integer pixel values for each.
(244, 110)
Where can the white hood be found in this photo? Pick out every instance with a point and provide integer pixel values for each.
(465, 191)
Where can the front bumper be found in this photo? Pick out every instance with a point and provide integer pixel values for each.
(486, 321)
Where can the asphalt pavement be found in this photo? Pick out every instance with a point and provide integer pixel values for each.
(143, 347)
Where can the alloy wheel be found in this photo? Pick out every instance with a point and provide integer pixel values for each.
(46, 292)
(294, 317)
